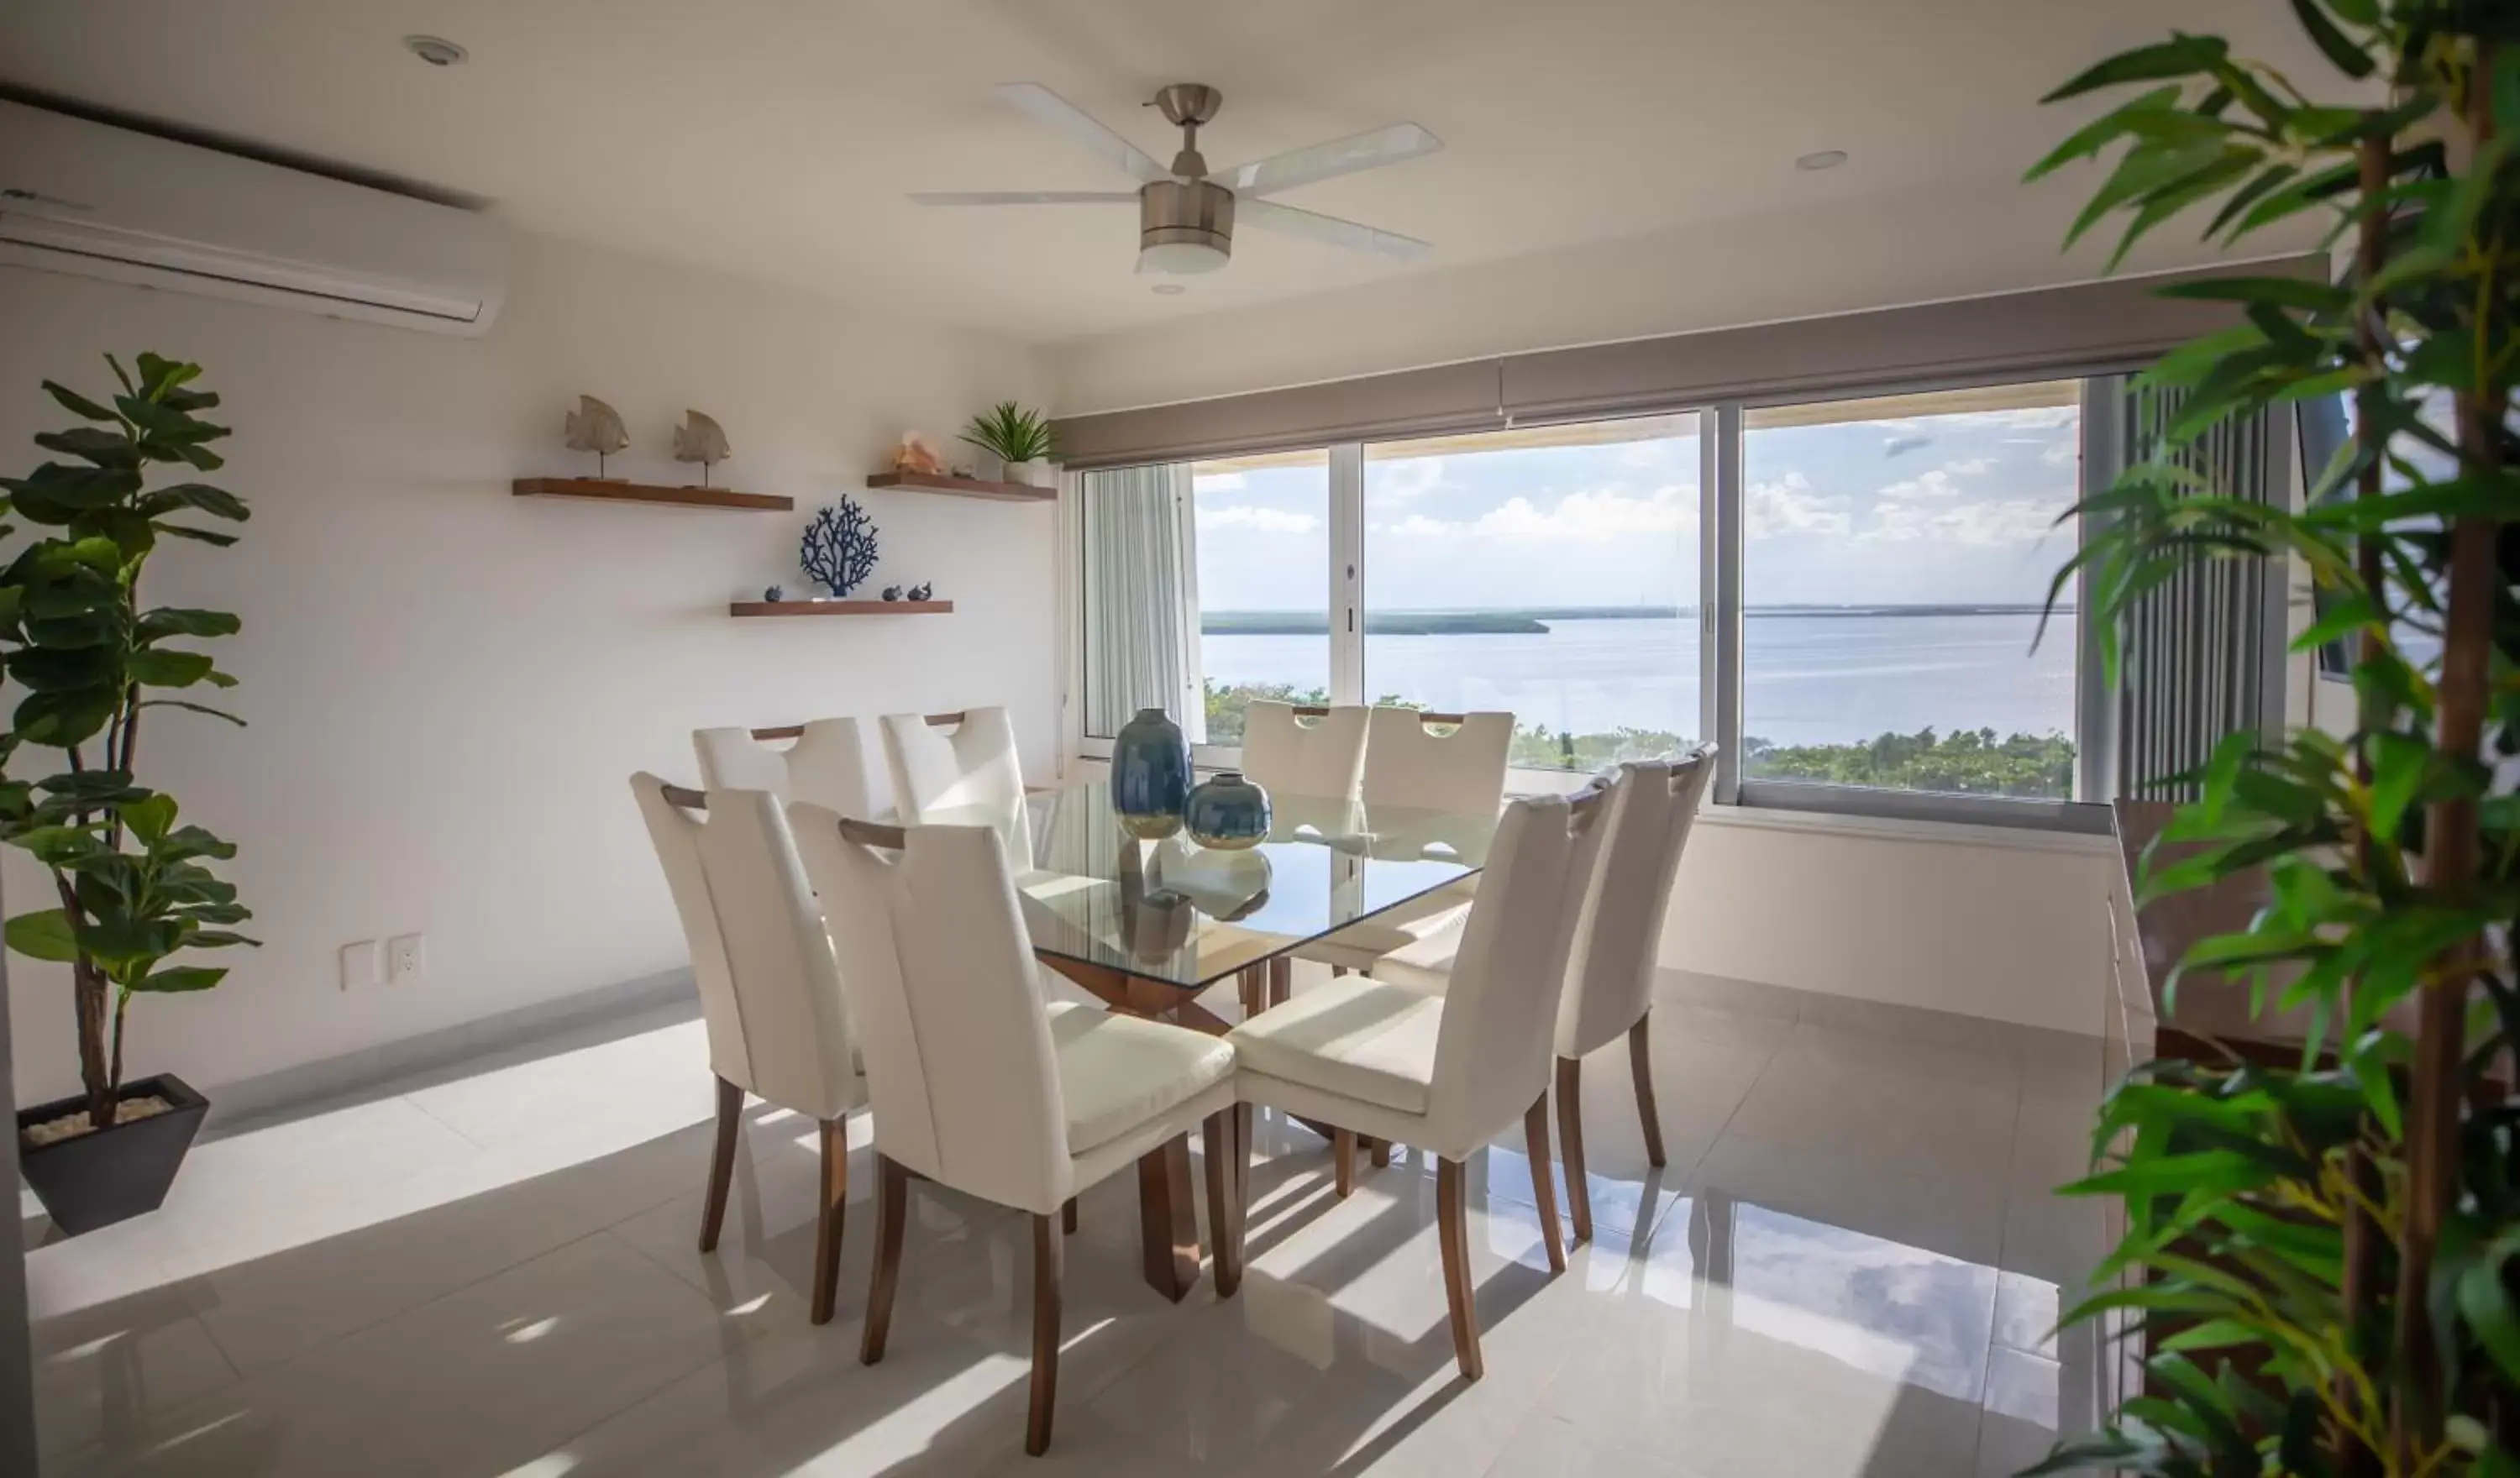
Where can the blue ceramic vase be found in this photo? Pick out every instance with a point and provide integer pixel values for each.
(1149, 776)
(1227, 813)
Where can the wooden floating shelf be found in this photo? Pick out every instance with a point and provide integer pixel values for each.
(608, 490)
(965, 487)
(840, 607)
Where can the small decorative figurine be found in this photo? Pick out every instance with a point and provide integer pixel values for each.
(916, 455)
(892, 592)
(702, 440)
(922, 591)
(775, 594)
(838, 550)
(597, 427)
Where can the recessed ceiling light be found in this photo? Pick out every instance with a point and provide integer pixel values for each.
(436, 51)
(1170, 290)
(1827, 159)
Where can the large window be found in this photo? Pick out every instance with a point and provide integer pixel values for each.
(1896, 554)
(1551, 573)
(1844, 594)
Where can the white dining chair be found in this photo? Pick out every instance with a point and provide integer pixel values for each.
(770, 989)
(1612, 963)
(948, 767)
(835, 762)
(1409, 765)
(1317, 752)
(981, 1087)
(1447, 1071)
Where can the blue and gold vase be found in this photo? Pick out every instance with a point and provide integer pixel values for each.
(1227, 813)
(1149, 776)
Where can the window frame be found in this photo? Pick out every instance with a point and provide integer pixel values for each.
(1722, 571)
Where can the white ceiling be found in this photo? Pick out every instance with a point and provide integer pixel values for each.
(776, 138)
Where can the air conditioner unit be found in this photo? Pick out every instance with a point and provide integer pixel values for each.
(97, 201)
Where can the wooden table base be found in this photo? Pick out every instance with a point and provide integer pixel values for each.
(1167, 1211)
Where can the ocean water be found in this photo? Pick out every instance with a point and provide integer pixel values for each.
(1807, 679)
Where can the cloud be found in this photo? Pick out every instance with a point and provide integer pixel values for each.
(1934, 484)
(1595, 515)
(1790, 507)
(2061, 453)
(1404, 477)
(1257, 520)
(2013, 520)
(1905, 443)
(1968, 466)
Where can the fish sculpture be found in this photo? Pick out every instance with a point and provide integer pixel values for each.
(597, 427)
(699, 438)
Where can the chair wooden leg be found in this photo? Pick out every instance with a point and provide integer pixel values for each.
(1281, 980)
(1544, 1194)
(1571, 1144)
(1067, 1216)
(1223, 1211)
(891, 1206)
(1168, 1218)
(1048, 1253)
(1381, 1155)
(730, 1129)
(1641, 1063)
(1453, 1237)
(1243, 1119)
(830, 1220)
(1343, 1162)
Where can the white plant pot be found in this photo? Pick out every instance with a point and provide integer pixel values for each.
(1035, 473)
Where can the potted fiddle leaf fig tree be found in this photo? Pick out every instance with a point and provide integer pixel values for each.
(133, 892)
(1017, 437)
(2322, 1255)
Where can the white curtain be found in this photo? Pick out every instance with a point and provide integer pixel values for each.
(1141, 599)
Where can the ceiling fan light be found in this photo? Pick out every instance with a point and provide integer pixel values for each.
(1181, 258)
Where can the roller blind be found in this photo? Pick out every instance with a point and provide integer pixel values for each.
(2009, 336)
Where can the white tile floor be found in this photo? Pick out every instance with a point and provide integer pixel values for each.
(1849, 1267)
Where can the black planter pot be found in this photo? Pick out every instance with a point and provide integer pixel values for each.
(110, 1175)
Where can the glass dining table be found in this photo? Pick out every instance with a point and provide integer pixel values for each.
(1147, 925)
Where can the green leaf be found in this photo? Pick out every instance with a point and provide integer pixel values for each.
(217, 502)
(2182, 56)
(44, 935)
(150, 818)
(87, 444)
(181, 977)
(2340, 49)
(78, 404)
(172, 621)
(216, 713)
(199, 535)
(2095, 135)
(159, 375)
(2483, 1302)
(163, 667)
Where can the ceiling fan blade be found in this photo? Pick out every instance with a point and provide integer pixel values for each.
(1026, 196)
(1389, 245)
(1046, 106)
(1324, 161)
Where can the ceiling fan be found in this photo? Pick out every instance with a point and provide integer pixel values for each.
(1185, 212)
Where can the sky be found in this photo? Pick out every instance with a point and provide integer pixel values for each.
(1953, 508)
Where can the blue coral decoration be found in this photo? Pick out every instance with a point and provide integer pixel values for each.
(839, 551)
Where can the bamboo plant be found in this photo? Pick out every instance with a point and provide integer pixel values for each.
(2324, 1258)
(134, 888)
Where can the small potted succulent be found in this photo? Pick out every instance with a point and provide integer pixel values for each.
(133, 892)
(1018, 437)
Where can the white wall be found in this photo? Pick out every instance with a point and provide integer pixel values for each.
(2013, 927)
(449, 685)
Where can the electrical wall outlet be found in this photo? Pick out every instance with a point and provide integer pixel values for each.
(404, 958)
(361, 965)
